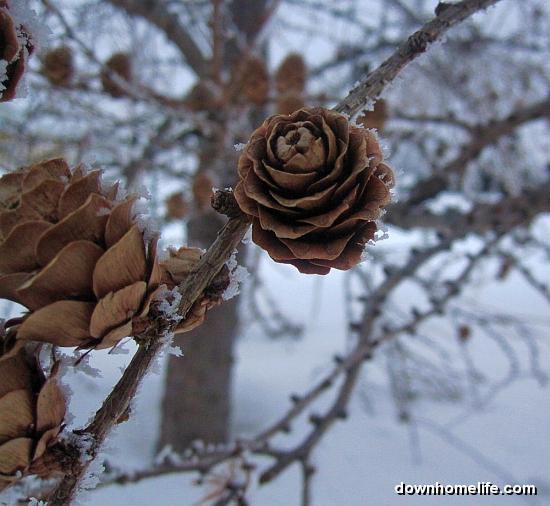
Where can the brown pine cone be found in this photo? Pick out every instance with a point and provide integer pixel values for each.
(32, 410)
(313, 185)
(58, 66)
(291, 75)
(16, 46)
(120, 64)
(176, 206)
(74, 256)
(179, 264)
(201, 98)
(287, 104)
(375, 118)
(252, 80)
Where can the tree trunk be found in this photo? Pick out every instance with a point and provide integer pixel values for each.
(196, 402)
(198, 385)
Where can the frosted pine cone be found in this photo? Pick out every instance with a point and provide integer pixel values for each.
(32, 410)
(16, 46)
(58, 66)
(121, 65)
(74, 256)
(313, 185)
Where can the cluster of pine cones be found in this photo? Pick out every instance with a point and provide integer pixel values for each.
(76, 256)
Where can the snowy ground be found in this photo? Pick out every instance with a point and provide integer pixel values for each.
(361, 459)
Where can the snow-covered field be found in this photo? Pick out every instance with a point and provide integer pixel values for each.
(504, 440)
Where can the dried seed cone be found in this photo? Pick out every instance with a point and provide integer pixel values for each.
(176, 206)
(287, 104)
(120, 64)
(201, 98)
(375, 118)
(313, 185)
(32, 410)
(252, 80)
(291, 75)
(58, 66)
(180, 264)
(74, 256)
(16, 46)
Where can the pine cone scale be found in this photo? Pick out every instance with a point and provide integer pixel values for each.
(17, 252)
(15, 455)
(117, 308)
(68, 275)
(86, 223)
(63, 323)
(15, 414)
(122, 264)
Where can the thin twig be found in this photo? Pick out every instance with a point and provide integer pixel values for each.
(375, 82)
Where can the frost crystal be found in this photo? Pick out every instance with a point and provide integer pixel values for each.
(24, 14)
(175, 350)
(35, 502)
(382, 233)
(167, 455)
(91, 479)
(169, 304)
(247, 239)
(237, 274)
(83, 360)
(3, 74)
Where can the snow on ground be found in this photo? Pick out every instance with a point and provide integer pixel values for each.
(361, 459)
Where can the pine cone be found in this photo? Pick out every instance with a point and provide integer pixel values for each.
(375, 118)
(176, 206)
(313, 185)
(252, 79)
(74, 256)
(58, 66)
(179, 264)
(287, 104)
(16, 46)
(201, 98)
(120, 64)
(291, 75)
(32, 410)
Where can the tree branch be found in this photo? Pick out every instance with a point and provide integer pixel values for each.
(414, 46)
(482, 137)
(156, 13)
(152, 341)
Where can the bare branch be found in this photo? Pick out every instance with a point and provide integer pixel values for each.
(414, 46)
(116, 404)
(155, 12)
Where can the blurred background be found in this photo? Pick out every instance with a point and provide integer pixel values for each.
(427, 362)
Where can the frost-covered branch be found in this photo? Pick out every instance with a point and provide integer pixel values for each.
(152, 341)
(447, 16)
